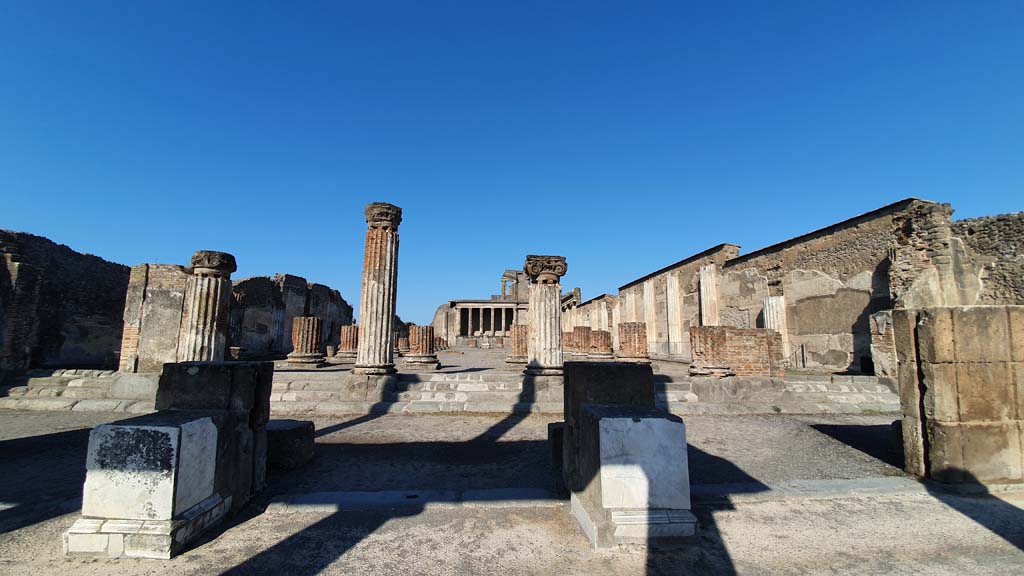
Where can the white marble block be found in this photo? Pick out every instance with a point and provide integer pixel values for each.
(643, 464)
(149, 472)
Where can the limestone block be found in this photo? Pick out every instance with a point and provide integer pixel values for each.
(935, 335)
(992, 451)
(904, 323)
(1015, 318)
(134, 386)
(913, 446)
(985, 391)
(940, 398)
(142, 472)
(982, 334)
(643, 464)
(290, 443)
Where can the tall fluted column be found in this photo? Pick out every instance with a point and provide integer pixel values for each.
(204, 322)
(306, 331)
(348, 341)
(774, 313)
(709, 295)
(375, 354)
(633, 342)
(545, 344)
(422, 355)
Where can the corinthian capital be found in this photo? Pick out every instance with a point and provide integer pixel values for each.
(545, 269)
(383, 215)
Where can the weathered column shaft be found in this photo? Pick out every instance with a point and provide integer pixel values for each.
(633, 340)
(348, 340)
(306, 332)
(600, 344)
(774, 313)
(422, 355)
(375, 350)
(204, 322)
(545, 296)
(709, 295)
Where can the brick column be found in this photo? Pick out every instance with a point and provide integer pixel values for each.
(600, 345)
(375, 353)
(306, 331)
(633, 342)
(545, 343)
(348, 342)
(519, 345)
(422, 355)
(403, 344)
(204, 319)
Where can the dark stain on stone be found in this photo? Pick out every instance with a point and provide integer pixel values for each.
(135, 449)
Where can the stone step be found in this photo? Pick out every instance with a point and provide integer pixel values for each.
(515, 386)
(49, 404)
(345, 408)
(61, 392)
(848, 398)
(834, 387)
(459, 396)
(738, 408)
(483, 376)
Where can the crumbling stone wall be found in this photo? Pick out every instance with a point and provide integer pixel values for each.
(152, 316)
(264, 308)
(747, 351)
(58, 307)
(995, 246)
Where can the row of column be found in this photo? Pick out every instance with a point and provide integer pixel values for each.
(500, 319)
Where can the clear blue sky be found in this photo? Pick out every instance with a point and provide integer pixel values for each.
(624, 136)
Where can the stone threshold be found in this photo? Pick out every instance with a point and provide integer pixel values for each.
(329, 502)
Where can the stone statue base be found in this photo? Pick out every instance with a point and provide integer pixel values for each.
(544, 371)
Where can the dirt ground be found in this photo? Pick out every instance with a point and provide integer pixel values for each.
(774, 494)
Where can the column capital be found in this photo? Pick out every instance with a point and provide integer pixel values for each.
(545, 269)
(211, 263)
(383, 215)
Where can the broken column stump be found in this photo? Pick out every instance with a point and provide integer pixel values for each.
(348, 343)
(421, 356)
(156, 482)
(306, 331)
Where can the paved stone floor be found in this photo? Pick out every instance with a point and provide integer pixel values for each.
(774, 494)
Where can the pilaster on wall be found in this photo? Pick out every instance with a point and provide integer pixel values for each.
(708, 285)
(19, 299)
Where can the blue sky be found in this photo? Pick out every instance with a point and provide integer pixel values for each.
(623, 135)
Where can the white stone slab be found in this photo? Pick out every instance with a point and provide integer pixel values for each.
(130, 472)
(197, 464)
(643, 464)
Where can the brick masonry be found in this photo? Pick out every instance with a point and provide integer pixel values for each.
(747, 351)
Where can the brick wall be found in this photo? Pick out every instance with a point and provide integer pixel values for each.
(747, 351)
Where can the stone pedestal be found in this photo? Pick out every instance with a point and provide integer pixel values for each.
(375, 353)
(422, 355)
(518, 346)
(290, 443)
(306, 332)
(204, 319)
(545, 296)
(348, 343)
(633, 342)
(154, 483)
(600, 345)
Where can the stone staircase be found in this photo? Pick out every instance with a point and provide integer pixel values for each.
(488, 391)
(77, 389)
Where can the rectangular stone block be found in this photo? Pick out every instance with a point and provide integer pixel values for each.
(1015, 318)
(149, 468)
(935, 335)
(904, 323)
(945, 456)
(940, 398)
(909, 391)
(913, 446)
(985, 391)
(982, 334)
(644, 464)
(992, 452)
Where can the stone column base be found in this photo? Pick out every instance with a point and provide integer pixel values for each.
(543, 371)
(601, 356)
(374, 370)
(645, 527)
(310, 360)
(345, 357)
(416, 362)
